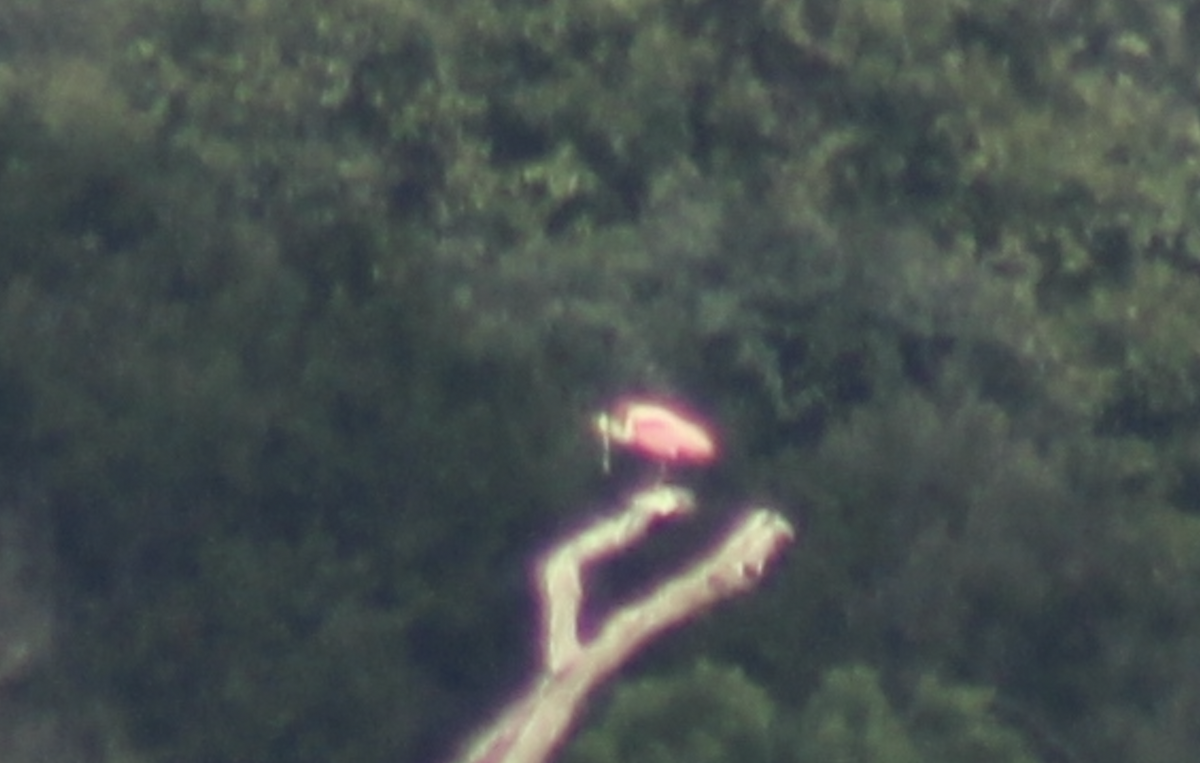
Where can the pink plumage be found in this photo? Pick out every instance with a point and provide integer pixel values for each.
(659, 430)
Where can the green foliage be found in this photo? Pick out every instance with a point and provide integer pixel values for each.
(714, 713)
(958, 723)
(305, 303)
(711, 714)
(939, 538)
(254, 654)
(850, 719)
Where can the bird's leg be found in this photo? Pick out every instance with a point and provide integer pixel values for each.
(602, 424)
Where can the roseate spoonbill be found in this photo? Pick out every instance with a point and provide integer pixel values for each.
(657, 429)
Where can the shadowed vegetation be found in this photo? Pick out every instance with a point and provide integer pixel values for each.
(304, 307)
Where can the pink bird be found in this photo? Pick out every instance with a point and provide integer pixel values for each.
(659, 430)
